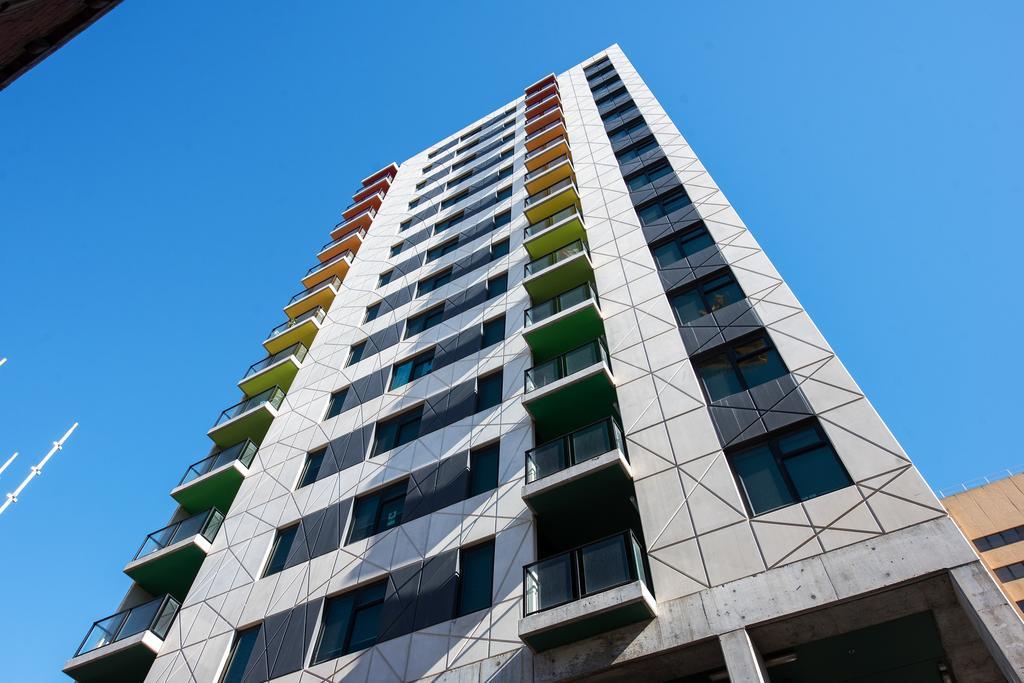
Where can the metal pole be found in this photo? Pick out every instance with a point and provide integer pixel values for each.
(36, 470)
(9, 461)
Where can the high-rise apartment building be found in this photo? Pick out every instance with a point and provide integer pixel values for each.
(559, 418)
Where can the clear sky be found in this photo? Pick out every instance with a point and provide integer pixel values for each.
(167, 177)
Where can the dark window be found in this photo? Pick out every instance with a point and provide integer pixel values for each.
(504, 193)
(441, 226)
(405, 225)
(681, 245)
(424, 321)
(372, 312)
(740, 366)
(476, 577)
(385, 277)
(397, 431)
(488, 391)
(638, 180)
(241, 652)
(351, 622)
(998, 540)
(1010, 572)
(504, 173)
(497, 285)
(493, 332)
(705, 297)
(505, 154)
(502, 218)
(463, 162)
(336, 404)
(483, 469)
(637, 152)
(510, 136)
(499, 249)
(454, 199)
(396, 249)
(787, 469)
(607, 68)
(470, 134)
(455, 181)
(610, 94)
(662, 207)
(623, 133)
(440, 250)
(356, 354)
(414, 203)
(434, 281)
(620, 112)
(314, 461)
(378, 511)
(283, 542)
(423, 183)
(414, 368)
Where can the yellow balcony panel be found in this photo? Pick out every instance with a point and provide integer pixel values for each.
(319, 295)
(300, 330)
(551, 200)
(561, 227)
(549, 152)
(359, 221)
(249, 419)
(550, 173)
(558, 271)
(213, 481)
(335, 267)
(277, 369)
(548, 113)
(543, 136)
(169, 559)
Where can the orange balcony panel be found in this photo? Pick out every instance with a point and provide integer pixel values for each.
(538, 139)
(381, 185)
(360, 221)
(348, 241)
(389, 171)
(354, 209)
(542, 106)
(539, 85)
(541, 95)
(546, 118)
(549, 152)
(321, 272)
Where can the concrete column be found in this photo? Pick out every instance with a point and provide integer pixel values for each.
(996, 621)
(742, 660)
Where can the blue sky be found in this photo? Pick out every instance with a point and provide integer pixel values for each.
(167, 177)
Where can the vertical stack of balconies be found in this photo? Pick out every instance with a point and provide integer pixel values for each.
(591, 575)
(122, 647)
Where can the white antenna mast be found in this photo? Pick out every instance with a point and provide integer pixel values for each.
(36, 470)
(9, 461)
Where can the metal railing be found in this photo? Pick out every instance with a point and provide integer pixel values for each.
(587, 570)
(560, 254)
(343, 256)
(298, 349)
(537, 95)
(551, 126)
(243, 452)
(560, 140)
(155, 616)
(573, 448)
(372, 211)
(333, 281)
(561, 158)
(378, 194)
(274, 396)
(341, 238)
(361, 194)
(980, 481)
(559, 303)
(569, 363)
(534, 109)
(550, 221)
(554, 106)
(550, 190)
(318, 313)
(205, 524)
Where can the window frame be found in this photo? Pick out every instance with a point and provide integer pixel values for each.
(497, 321)
(460, 608)
(441, 250)
(396, 249)
(425, 315)
(680, 238)
(359, 605)
(401, 420)
(319, 453)
(275, 545)
(702, 290)
(384, 278)
(337, 397)
(390, 493)
(356, 353)
(661, 203)
(487, 450)
(488, 377)
(372, 312)
(503, 245)
(415, 362)
(502, 277)
(734, 359)
(430, 282)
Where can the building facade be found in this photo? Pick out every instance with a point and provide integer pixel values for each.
(560, 418)
(992, 518)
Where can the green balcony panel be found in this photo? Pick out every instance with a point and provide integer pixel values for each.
(299, 330)
(563, 322)
(277, 369)
(558, 271)
(169, 559)
(570, 390)
(213, 481)
(247, 419)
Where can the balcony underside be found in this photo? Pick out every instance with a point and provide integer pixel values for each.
(588, 617)
(564, 330)
(339, 268)
(281, 374)
(361, 221)
(126, 661)
(558, 235)
(542, 138)
(549, 177)
(171, 570)
(552, 204)
(550, 115)
(583, 485)
(547, 156)
(321, 297)
(350, 243)
(214, 489)
(304, 332)
(559, 278)
(252, 425)
(579, 399)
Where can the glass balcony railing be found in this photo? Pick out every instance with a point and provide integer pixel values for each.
(541, 150)
(376, 195)
(541, 93)
(562, 158)
(553, 219)
(569, 363)
(582, 572)
(317, 314)
(341, 238)
(274, 396)
(535, 134)
(205, 524)
(538, 197)
(243, 452)
(541, 107)
(366, 213)
(155, 616)
(557, 304)
(298, 350)
(381, 185)
(573, 448)
(329, 262)
(568, 251)
(334, 281)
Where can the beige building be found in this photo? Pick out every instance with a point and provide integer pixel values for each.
(992, 518)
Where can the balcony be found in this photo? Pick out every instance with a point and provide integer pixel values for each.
(213, 481)
(122, 647)
(541, 137)
(169, 559)
(361, 220)
(278, 369)
(589, 590)
(541, 107)
(336, 266)
(563, 322)
(560, 228)
(541, 93)
(572, 389)
(321, 294)
(356, 208)
(540, 84)
(551, 200)
(301, 329)
(546, 154)
(548, 114)
(581, 469)
(389, 171)
(248, 419)
(558, 168)
(558, 271)
(349, 241)
(380, 185)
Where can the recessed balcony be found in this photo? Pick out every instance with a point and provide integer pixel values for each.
(589, 590)
(544, 135)
(579, 469)
(563, 322)
(380, 185)
(541, 107)
(572, 389)
(558, 271)
(349, 241)
(547, 153)
(356, 208)
(319, 295)
(122, 647)
(551, 200)
(336, 266)
(213, 481)
(248, 419)
(550, 113)
(557, 229)
(277, 369)
(557, 169)
(301, 329)
(169, 559)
